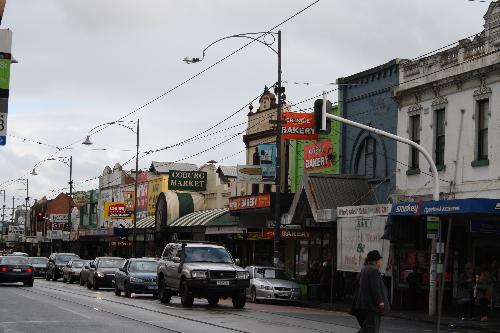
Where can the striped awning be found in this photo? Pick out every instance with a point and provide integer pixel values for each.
(199, 218)
(145, 223)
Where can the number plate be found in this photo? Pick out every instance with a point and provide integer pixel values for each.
(153, 287)
(223, 283)
(16, 269)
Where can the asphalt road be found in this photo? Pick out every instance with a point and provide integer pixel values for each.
(57, 307)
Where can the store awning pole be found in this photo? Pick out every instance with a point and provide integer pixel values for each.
(443, 274)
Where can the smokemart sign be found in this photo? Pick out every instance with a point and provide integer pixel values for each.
(195, 181)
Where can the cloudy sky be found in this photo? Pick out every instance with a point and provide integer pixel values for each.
(83, 63)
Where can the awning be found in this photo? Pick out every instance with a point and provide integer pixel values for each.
(201, 218)
(447, 207)
(145, 223)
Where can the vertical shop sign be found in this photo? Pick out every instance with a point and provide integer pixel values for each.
(267, 157)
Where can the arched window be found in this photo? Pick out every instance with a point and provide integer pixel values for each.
(366, 158)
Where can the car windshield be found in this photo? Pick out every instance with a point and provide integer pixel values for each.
(270, 273)
(111, 263)
(15, 260)
(207, 254)
(143, 266)
(38, 261)
(77, 264)
(64, 259)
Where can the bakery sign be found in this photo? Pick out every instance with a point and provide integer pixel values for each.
(318, 155)
(269, 233)
(116, 210)
(250, 202)
(298, 126)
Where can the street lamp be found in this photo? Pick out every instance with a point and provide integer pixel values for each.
(122, 123)
(279, 90)
(25, 181)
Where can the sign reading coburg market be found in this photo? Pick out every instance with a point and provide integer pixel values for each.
(298, 126)
(250, 202)
(116, 210)
(195, 181)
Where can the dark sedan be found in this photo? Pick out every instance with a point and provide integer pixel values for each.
(137, 276)
(16, 269)
(39, 265)
(71, 272)
(102, 272)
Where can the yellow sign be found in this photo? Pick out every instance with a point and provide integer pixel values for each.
(116, 210)
(155, 187)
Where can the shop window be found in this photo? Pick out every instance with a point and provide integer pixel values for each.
(439, 143)
(482, 129)
(415, 137)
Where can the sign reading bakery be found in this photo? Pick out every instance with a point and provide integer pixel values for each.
(250, 202)
(298, 126)
(116, 210)
(318, 155)
(268, 233)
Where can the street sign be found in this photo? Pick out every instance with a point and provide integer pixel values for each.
(195, 181)
(433, 227)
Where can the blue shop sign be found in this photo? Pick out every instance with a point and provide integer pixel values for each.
(447, 207)
(485, 227)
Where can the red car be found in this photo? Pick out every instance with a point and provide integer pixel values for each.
(16, 269)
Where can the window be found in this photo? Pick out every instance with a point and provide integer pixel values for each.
(439, 136)
(482, 129)
(370, 159)
(415, 137)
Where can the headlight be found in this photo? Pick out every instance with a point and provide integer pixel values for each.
(136, 280)
(99, 274)
(242, 275)
(199, 274)
(265, 287)
(295, 290)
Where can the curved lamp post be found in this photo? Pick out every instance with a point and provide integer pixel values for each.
(279, 90)
(122, 123)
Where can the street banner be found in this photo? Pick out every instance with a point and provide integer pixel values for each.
(251, 174)
(318, 155)
(250, 202)
(359, 231)
(128, 199)
(269, 233)
(116, 210)
(142, 195)
(298, 126)
(267, 157)
(194, 181)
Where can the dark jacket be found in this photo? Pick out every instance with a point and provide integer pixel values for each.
(371, 290)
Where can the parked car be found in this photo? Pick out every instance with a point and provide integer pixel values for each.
(271, 284)
(71, 272)
(84, 273)
(137, 276)
(18, 254)
(56, 263)
(16, 269)
(201, 270)
(39, 265)
(102, 272)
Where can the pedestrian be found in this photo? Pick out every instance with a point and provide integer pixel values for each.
(370, 298)
(484, 291)
(465, 292)
(414, 281)
(325, 281)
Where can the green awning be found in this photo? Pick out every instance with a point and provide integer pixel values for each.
(145, 223)
(202, 218)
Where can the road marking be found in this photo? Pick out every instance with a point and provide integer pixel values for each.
(38, 322)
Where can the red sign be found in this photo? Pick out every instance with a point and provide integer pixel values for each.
(116, 210)
(268, 233)
(298, 126)
(250, 202)
(318, 155)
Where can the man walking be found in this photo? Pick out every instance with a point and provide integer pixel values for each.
(371, 295)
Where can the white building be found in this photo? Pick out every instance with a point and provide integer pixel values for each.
(449, 102)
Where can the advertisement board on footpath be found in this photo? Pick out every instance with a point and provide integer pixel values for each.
(360, 230)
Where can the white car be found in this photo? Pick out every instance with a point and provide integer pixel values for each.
(271, 284)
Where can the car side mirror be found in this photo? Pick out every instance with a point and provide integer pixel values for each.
(237, 262)
(176, 260)
(92, 266)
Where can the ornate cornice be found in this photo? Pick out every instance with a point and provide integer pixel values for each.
(483, 88)
(440, 100)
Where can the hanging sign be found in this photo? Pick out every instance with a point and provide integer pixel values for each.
(80, 198)
(128, 199)
(195, 181)
(116, 210)
(250, 202)
(251, 174)
(298, 126)
(267, 157)
(318, 155)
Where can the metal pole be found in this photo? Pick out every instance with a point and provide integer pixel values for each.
(70, 190)
(12, 217)
(27, 203)
(435, 196)
(135, 194)
(277, 206)
(441, 286)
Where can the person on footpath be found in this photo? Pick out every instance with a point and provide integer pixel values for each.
(370, 298)
(484, 291)
(465, 292)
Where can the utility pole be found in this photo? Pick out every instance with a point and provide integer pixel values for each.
(13, 203)
(70, 191)
(277, 205)
(27, 202)
(134, 232)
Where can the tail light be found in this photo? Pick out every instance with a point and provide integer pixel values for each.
(3, 269)
(29, 270)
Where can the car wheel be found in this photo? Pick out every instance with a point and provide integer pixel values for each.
(47, 277)
(187, 298)
(94, 285)
(163, 293)
(89, 286)
(239, 301)
(253, 295)
(54, 276)
(127, 291)
(82, 282)
(118, 292)
(213, 301)
(71, 280)
(155, 295)
(64, 279)
(28, 283)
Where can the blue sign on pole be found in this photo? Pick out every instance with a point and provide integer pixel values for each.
(3, 140)
(267, 155)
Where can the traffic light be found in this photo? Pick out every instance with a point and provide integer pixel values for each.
(318, 113)
(40, 216)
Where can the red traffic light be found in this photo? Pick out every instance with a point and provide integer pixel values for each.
(40, 216)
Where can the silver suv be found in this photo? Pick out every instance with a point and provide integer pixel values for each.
(201, 270)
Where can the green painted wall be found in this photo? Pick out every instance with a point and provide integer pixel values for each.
(296, 154)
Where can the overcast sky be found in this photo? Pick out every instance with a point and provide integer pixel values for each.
(86, 62)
